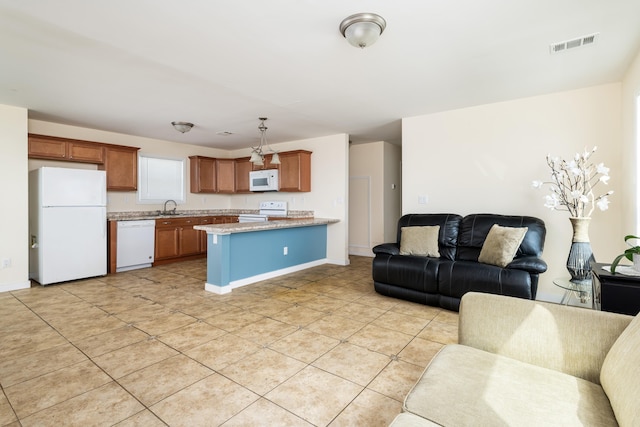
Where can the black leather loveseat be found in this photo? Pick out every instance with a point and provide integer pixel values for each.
(443, 280)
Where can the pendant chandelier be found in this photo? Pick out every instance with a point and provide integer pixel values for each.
(258, 153)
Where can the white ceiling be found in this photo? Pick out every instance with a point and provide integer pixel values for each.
(133, 66)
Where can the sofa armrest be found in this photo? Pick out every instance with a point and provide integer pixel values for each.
(531, 264)
(387, 248)
(572, 340)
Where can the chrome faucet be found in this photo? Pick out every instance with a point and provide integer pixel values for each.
(175, 205)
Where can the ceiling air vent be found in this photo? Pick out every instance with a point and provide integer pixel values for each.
(573, 43)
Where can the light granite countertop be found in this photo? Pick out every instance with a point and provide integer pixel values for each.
(139, 215)
(260, 226)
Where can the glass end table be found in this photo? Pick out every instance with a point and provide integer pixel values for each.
(584, 292)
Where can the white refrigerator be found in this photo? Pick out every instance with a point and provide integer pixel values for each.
(67, 224)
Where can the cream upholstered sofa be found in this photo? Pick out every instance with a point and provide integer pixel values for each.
(528, 363)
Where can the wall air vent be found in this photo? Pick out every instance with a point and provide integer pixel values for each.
(573, 43)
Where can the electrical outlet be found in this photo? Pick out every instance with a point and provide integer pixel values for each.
(285, 251)
(422, 200)
(6, 262)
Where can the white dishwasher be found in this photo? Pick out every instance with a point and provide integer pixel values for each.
(135, 244)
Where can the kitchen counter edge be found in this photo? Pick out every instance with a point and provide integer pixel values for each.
(141, 215)
(260, 226)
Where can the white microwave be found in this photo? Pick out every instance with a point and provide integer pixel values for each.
(264, 180)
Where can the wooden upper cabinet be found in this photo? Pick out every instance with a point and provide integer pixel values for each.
(87, 152)
(121, 165)
(294, 167)
(47, 147)
(242, 169)
(54, 148)
(295, 170)
(226, 175)
(120, 162)
(202, 174)
(209, 175)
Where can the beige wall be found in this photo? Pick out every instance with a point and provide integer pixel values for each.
(377, 163)
(327, 198)
(366, 175)
(392, 188)
(631, 138)
(14, 214)
(483, 159)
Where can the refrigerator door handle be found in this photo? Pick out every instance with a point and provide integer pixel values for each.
(104, 223)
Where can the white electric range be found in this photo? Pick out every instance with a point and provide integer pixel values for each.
(267, 209)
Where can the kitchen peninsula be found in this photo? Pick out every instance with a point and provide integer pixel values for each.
(243, 253)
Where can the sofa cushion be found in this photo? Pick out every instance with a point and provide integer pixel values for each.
(571, 340)
(620, 373)
(464, 386)
(449, 226)
(475, 227)
(501, 245)
(420, 241)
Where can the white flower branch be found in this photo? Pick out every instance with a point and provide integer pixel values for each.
(572, 185)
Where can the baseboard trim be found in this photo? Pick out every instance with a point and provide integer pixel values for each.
(221, 290)
(8, 287)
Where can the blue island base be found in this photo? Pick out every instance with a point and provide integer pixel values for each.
(239, 259)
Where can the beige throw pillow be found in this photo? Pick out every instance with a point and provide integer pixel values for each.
(421, 241)
(501, 245)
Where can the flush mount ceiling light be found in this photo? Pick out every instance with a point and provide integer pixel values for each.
(182, 127)
(362, 29)
(258, 153)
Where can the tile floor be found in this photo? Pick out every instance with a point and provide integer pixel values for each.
(151, 348)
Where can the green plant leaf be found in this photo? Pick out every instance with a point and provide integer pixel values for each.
(615, 262)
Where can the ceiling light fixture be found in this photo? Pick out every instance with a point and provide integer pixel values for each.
(258, 153)
(182, 127)
(362, 29)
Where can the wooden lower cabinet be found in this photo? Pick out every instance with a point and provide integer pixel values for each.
(203, 234)
(176, 239)
(189, 241)
(167, 242)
